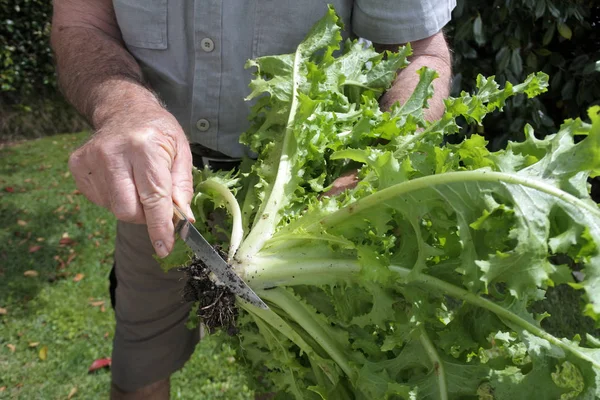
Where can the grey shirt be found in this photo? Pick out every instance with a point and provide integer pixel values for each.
(193, 52)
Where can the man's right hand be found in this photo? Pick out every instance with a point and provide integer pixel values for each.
(137, 164)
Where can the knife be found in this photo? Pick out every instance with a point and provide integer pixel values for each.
(222, 273)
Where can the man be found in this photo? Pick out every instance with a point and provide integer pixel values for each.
(116, 59)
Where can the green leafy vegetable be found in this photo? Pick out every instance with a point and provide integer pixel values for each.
(417, 282)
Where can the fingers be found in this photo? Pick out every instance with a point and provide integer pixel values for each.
(152, 176)
(181, 176)
(124, 201)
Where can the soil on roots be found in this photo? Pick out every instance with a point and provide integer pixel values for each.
(216, 304)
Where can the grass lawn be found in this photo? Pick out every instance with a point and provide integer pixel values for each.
(55, 315)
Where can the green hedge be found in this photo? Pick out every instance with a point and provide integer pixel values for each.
(25, 56)
(510, 39)
(505, 38)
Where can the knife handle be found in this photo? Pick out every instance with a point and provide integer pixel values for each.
(179, 217)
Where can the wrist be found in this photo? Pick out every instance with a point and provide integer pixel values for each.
(121, 99)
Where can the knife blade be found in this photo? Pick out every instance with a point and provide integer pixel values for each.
(222, 273)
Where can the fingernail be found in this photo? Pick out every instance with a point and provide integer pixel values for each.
(190, 214)
(160, 248)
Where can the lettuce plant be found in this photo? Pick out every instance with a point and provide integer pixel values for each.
(417, 283)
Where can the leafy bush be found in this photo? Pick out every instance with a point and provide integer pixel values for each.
(25, 55)
(511, 39)
(30, 105)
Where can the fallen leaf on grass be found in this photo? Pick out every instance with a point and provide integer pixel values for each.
(79, 276)
(30, 273)
(2, 389)
(9, 189)
(71, 257)
(20, 222)
(97, 303)
(40, 239)
(72, 393)
(65, 241)
(34, 344)
(3, 311)
(102, 308)
(11, 347)
(43, 354)
(35, 248)
(99, 364)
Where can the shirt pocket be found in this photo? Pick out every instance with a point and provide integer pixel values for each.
(143, 23)
(280, 25)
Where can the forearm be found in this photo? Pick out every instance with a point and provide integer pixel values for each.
(432, 52)
(95, 71)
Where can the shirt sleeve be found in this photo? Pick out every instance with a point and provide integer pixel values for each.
(400, 21)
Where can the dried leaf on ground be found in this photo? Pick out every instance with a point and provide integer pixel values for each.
(35, 248)
(34, 344)
(66, 241)
(71, 257)
(43, 354)
(99, 364)
(97, 303)
(11, 347)
(2, 389)
(79, 276)
(3, 311)
(30, 273)
(20, 222)
(72, 393)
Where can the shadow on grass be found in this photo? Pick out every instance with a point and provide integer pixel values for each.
(33, 254)
(46, 226)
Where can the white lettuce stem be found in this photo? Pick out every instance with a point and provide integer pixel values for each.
(306, 318)
(378, 198)
(269, 273)
(237, 231)
(275, 321)
(436, 361)
(264, 228)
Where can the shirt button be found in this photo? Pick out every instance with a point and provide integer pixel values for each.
(207, 45)
(202, 125)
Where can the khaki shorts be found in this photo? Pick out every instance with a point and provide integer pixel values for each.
(151, 340)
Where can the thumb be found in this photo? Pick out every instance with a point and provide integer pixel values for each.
(181, 173)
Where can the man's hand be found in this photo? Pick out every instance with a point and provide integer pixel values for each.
(432, 52)
(138, 162)
(136, 165)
